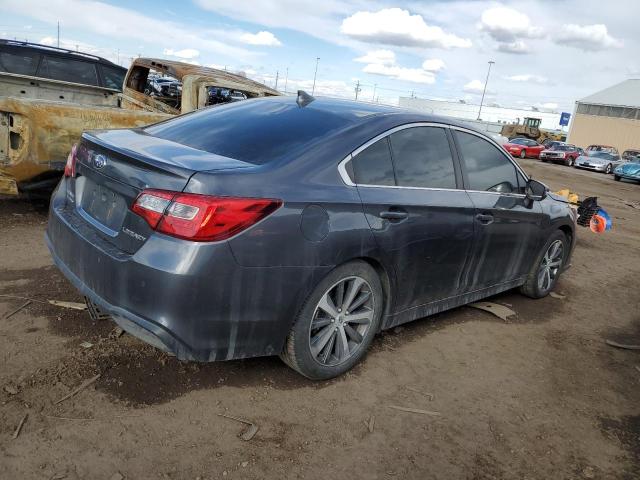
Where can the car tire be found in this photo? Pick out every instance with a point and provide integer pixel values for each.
(545, 273)
(331, 356)
(570, 162)
(523, 154)
(609, 169)
(616, 178)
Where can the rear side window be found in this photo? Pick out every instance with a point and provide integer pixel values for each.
(487, 168)
(113, 77)
(422, 158)
(373, 166)
(68, 70)
(21, 63)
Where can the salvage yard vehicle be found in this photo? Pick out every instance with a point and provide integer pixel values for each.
(36, 135)
(305, 239)
(599, 158)
(523, 148)
(629, 170)
(560, 152)
(631, 155)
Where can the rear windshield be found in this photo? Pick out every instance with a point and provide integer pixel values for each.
(254, 131)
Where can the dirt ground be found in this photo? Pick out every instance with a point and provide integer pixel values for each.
(539, 397)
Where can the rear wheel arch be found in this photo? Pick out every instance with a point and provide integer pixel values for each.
(568, 231)
(385, 280)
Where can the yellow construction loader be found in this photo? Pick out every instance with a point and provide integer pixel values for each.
(530, 128)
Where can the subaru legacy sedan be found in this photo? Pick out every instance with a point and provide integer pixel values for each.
(298, 227)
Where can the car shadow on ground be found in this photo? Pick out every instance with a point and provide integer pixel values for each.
(139, 375)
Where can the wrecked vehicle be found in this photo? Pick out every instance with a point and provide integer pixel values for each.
(37, 134)
(304, 239)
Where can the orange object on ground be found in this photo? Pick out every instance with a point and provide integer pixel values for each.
(598, 224)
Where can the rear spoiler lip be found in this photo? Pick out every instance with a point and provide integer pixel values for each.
(155, 162)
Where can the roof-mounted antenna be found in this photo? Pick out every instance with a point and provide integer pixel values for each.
(304, 98)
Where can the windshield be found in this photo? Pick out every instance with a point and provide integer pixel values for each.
(605, 155)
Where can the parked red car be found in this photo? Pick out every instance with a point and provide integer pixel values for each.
(561, 152)
(523, 148)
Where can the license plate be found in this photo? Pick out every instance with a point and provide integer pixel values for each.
(103, 205)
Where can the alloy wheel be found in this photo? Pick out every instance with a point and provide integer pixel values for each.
(550, 265)
(609, 169)
(341, 321)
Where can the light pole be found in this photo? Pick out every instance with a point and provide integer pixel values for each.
(491, 62)
(314, 76)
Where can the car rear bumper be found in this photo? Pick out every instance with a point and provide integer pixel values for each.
(190, 299)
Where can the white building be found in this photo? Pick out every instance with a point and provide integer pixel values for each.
(468, 111)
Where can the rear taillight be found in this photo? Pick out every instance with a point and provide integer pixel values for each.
(70, 166)
(201, 218)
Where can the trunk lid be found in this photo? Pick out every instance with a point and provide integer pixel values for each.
(114, 166)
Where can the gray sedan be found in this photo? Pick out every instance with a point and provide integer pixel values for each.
(598, 161)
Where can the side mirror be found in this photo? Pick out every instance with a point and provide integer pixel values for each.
(535, 190)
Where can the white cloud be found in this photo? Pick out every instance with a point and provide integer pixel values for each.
(475, 86)
(507, 25)
(110, 21)
(187, 53)
(433, 65)
(518, 47)
(415, 75)
(382, 57)
(395, 26)
(587, 37)
(527, 78)
(261, 38)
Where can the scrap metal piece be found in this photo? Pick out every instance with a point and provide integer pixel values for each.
(498, 310)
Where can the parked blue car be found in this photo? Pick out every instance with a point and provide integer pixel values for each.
(629, 170)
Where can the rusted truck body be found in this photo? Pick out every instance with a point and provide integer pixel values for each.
(36, 134)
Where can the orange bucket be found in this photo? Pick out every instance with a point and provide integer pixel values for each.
(598, 224)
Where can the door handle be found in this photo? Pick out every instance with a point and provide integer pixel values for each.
(394, 215)
(485, 218)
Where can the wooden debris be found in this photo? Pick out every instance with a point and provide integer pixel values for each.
(414, 410)
(71, 305)
(25, 304)
(81, 387)
(86, 344)
(249, 432)
(498, 310)
(557, 295)
(625, 346)
(20, 425)
(371, 423)
(430, 396)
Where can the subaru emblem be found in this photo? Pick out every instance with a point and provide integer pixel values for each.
(99, 161)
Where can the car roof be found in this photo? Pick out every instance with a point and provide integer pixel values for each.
(58, 51)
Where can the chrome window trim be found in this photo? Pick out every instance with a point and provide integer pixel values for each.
(342, 170)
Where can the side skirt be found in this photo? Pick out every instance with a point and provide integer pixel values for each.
(438, 306)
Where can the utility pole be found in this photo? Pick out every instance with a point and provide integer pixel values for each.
(277, 75)
(357, 89)
(314, 76)
(491, 62)
(58, 34)
(412, 94)
(286, 79)
(373, 97)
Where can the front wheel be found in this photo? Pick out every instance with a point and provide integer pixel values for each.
(570, 162)
(546, 270)
(616, 178)
(337, 322)
(523, 154)
(609, 169)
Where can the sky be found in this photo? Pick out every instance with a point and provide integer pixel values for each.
(547, 53)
